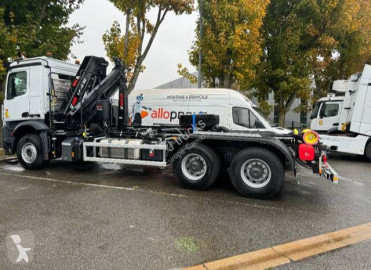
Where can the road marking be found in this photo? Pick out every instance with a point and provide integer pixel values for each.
(148, 191)
(289, 252)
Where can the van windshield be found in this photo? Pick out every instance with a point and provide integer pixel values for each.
(266, 118)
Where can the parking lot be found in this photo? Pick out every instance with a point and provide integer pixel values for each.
(107, 216)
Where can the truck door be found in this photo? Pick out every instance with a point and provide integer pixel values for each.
(36, 104)
(16, 104)
(328, 116)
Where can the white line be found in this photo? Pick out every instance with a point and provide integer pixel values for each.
(151, 191)
(67, 182)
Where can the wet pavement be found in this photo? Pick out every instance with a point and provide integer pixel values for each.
(90, 216)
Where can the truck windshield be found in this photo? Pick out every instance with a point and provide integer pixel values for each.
(266, 118)
(315, 110)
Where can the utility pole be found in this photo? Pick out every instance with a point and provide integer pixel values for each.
(200, 51)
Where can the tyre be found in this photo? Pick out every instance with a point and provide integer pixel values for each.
(197, 167)
(30, 152)
(368, 151)
(257, 172)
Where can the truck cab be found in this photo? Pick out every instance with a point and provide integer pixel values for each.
(348, 116)
(34, 87)
(325, 116)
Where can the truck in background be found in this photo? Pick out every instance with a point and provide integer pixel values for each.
(54, 110)
(325, 116)
(345, 121)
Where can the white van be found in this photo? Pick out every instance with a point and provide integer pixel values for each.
(165, 106)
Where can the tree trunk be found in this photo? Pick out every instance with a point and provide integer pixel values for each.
(281, 112)
(281, 118)
(142, 56)
(126, 40)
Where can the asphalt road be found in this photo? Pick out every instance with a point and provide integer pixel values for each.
(112, 217)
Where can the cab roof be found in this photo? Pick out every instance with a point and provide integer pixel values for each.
(331, 98)
(45, 61)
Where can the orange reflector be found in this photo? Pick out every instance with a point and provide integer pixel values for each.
(73, 154)
(311, 137)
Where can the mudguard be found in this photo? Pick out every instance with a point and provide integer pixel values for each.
(39, 126)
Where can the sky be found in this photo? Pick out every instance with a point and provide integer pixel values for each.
(171, 46)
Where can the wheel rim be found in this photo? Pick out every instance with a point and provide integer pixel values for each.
(194, 167)
(256, 173)
(29, 153)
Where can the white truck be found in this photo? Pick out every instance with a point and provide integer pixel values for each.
(345, 121)
(55, 110)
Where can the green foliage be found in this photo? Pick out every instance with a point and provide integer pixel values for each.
(35, 28)
(230, 44)
(130, 46)
(305, 40)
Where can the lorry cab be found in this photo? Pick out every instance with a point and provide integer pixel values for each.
(27, 87)
(34, 88)
(165, 106)
(326, 113)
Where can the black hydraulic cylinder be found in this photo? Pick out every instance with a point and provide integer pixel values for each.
(91, 72)
(86, 107)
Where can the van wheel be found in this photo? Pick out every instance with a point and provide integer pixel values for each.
(197, 167)
(29, 152)
(368, 151)
(257, 172)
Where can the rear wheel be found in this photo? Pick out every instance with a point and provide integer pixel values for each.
(29, 152)
(257, 172)
(197, 167)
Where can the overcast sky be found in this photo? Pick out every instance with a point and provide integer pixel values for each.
(170, 47)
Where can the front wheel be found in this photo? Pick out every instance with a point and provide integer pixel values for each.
(197, 167)
(29, 152)
(257, 172)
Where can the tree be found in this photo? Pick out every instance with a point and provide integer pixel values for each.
(130, 46)
(34, 28)
(231, 42)
(345, 45)
(305, 40)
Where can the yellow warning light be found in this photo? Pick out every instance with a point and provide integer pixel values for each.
(310, 137)
(295, 132)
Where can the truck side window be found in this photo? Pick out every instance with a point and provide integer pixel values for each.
(244, 117)
(17, 84)
(330, 110)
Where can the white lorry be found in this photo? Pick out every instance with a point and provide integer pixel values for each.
(57, 110)
(325, 117)
(345, 121)
(326, 112)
